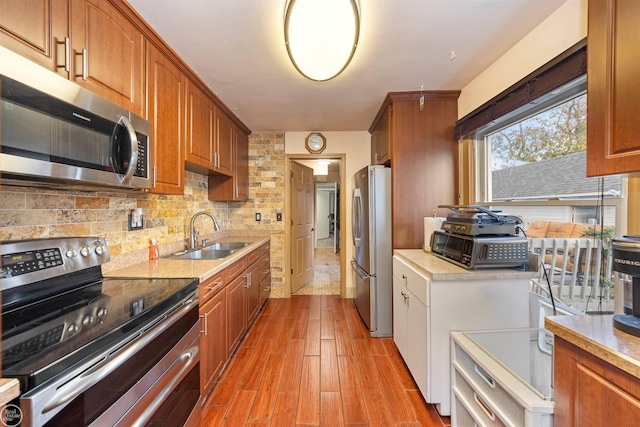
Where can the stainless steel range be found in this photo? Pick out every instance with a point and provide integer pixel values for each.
(90, 350)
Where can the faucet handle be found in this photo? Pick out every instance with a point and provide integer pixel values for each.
(204, 242)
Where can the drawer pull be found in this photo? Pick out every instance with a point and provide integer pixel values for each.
(215, 285)
(404, 276)
(484, 406)
(486, 377)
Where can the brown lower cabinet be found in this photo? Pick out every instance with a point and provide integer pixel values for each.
(591, 392)
(229, 302)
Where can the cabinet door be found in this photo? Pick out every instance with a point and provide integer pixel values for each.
(253, 290)
(418, 335)
(107, 53)
(591, 392)
(400, 315)
(200, 112)
(223, 142)
(165, 110)
(38, 30)
(383, 140)
(241, 166)
(236, 311)
(213, 342)
(613, 87)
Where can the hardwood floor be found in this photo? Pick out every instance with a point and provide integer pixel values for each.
(309, 360)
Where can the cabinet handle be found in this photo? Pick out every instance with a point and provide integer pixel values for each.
(486, 377)
(215, 285)
(484, 406)
(204, 317)
(404, 294)
(248, 276)
(404, 276)
(67, 55)
(84, 64)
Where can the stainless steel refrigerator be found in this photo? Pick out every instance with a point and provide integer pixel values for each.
(371, 230)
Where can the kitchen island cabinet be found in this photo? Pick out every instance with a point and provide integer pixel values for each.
(612, 67)
(596, 372)
(418, 143)
(433, 297)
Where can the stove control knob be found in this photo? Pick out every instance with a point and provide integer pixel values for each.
(85, 251)
(100, 249)
(73, 327)
(101, 313)
(71, 253)
(87, 320)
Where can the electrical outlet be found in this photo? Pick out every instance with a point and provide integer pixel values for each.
(258, 216)
(135, 222)
(279, 216)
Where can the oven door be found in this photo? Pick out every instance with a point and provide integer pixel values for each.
(128, 384)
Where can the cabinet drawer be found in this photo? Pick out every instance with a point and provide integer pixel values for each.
(212, 286)
(414, 281)
(477, 406)
(236, 268)
(490, 390)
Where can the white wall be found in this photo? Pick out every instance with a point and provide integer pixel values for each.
(560, 31)
(356, 146)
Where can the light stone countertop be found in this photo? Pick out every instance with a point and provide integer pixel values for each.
(595, 334)
(167, 268)
(440, 269)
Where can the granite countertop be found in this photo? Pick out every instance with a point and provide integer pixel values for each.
(440, 269)
(166, 268)
(595, 334)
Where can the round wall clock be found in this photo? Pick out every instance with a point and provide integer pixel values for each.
(315, 143)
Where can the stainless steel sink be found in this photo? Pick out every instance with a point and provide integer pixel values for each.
(216, 250)
(226, 245)
(204, 254)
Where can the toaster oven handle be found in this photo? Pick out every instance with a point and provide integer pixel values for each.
(133, 159)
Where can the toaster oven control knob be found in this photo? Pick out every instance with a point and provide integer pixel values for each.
(71, 253)
(85, 251)
(87, 320)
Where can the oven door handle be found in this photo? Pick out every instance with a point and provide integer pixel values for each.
(183, 365)
(105, 364)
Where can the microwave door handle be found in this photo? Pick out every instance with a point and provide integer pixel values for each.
(133, 160)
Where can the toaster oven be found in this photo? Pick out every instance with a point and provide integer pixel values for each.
(485, 251)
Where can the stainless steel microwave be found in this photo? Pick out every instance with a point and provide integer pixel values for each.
(55, 133)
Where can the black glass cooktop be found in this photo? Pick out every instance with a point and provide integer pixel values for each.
(46, 337)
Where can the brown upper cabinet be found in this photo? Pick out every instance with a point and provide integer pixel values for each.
(236, 187)
(102, 45)
(39, 31)
(200, 130)
(381, 139)
(87, 41)
(166, 112)
(613, 88)
(223, 144)
(422, 153)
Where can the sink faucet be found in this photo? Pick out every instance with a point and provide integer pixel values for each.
(193, 241)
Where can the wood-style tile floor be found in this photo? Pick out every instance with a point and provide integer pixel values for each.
(309, 361)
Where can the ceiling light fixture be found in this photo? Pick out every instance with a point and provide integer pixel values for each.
(321, 36)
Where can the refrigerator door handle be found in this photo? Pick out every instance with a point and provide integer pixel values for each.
(356, 217)
(359, 271)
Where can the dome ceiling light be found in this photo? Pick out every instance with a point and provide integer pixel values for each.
(321, 36)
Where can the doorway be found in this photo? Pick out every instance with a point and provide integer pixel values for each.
(328, 262)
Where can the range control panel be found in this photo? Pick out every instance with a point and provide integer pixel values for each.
(29, 261)
(25, 262)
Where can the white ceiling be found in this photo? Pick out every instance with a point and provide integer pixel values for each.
(237, 48)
